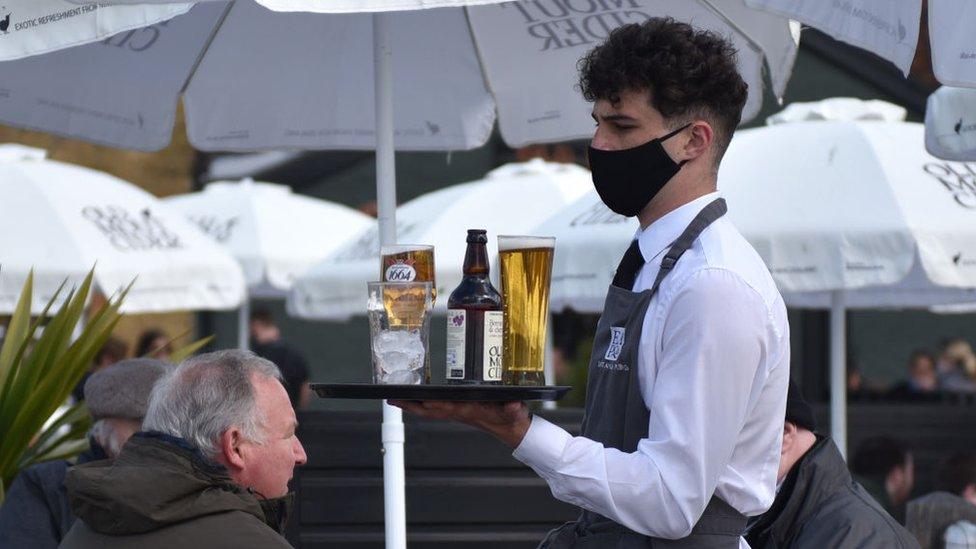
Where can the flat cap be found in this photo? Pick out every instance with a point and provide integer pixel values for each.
(122, 390)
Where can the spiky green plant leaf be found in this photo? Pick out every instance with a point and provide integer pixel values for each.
(38, 373)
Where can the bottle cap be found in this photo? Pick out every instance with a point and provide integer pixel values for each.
(477, 236)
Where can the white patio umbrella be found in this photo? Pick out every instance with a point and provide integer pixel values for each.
(254, 79)
(950, 124)
(334, 6)
(846, 215)
(32, 27)
(890, 28)
(273, 233)
(512, 199)
(61, 220)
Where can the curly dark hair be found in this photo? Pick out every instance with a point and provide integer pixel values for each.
(689, 73)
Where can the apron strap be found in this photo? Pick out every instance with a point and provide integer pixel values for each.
(683, 243)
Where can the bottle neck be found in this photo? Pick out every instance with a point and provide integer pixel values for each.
(476, 259)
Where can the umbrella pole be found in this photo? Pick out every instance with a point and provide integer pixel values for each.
(394, 477)
(838, 371)
(243, 318)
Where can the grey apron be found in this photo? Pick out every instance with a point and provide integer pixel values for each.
(617, 416)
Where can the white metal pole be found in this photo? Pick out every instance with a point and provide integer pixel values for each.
(549, 367)
(394, 477)
(838, 371)
(243, 321)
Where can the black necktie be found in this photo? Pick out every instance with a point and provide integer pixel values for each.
(628, 268)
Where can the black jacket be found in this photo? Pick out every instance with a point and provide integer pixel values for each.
(819, 506)
(35, 512)
(161, 493)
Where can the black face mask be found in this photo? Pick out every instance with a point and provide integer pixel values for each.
(628, 179)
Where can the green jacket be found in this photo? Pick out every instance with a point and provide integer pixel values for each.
(161, 493)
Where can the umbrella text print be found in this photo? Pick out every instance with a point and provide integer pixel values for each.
(129, 231)
(559, 24)
(958, 179)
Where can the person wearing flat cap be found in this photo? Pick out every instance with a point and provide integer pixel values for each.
(35, 513)
(818, 505)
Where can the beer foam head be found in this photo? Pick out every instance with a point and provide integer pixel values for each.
(506, 243)
(402, 248)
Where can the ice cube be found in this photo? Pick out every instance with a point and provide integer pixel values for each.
(399, 355)
(404, 341)
(403, 377)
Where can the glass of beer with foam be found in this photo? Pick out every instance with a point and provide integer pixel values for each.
(526, 269)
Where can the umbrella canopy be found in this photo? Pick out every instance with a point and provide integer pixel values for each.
(275, 234)
(890, 28)
(32, 27)
(950, 124)
(334, 6)
(858, 206)
(510, 200)
(61, 220)
(870, 212)
(839, 108)
(253, 79)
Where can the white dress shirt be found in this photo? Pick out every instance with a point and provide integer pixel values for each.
(713, 365)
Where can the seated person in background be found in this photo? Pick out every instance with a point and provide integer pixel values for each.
(154, 343)
(818, 505)
(266, 342)
(35, 513)
(111, 352)
(859, 386)
(947, 517)
(923, 381)
(211, 468)
(957, 367)
(884, 466)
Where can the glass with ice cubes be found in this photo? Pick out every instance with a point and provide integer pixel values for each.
(399, 326)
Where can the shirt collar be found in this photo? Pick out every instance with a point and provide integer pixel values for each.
(659, 235)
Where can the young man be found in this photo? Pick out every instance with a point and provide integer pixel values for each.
(687, 381)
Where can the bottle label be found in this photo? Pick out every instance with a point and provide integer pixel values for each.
(456, 326)
(494, 333)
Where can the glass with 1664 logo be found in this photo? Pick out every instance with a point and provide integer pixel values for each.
(409, 263)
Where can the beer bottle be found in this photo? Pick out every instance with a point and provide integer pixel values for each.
(474, 320)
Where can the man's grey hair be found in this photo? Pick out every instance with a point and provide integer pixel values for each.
(208, 394)
(106, 433)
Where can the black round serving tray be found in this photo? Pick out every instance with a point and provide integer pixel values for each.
(497, 393)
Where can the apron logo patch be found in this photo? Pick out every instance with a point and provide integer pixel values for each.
(616, 344)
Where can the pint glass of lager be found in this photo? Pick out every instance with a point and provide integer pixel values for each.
(526, 268)
(408, 263)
